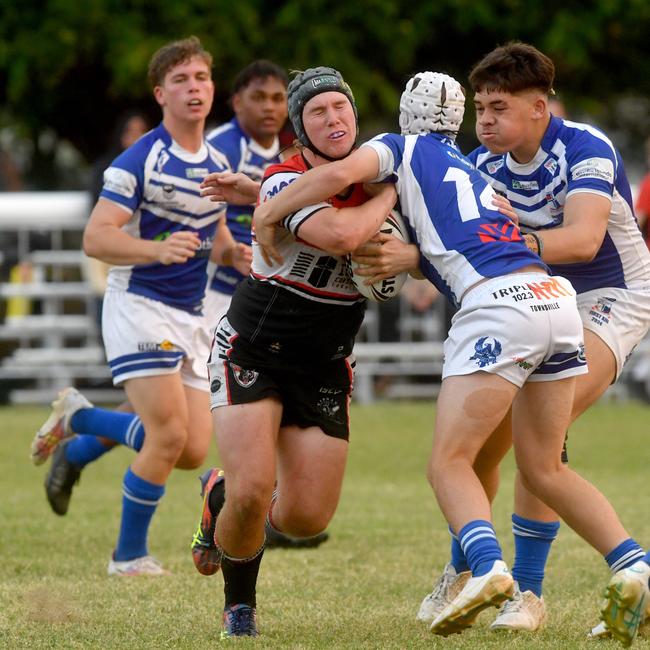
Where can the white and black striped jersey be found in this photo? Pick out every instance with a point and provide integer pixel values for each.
(308, 305)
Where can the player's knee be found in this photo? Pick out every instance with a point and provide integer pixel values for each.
(540, 478)
(169, 441)
(250, 501)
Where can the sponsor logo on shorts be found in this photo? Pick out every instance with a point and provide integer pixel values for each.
(329, 407)
(215, 386)
(156, 346)
(582, 355)
(545, 290)
(327, 390)
(601, 312)
(522, 363)
(551, 306)
(245, 378)
(486, 351)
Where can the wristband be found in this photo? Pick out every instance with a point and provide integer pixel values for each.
(538, 241)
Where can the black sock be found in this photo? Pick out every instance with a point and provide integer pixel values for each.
(240, 579)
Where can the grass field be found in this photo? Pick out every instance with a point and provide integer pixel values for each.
(360, 590)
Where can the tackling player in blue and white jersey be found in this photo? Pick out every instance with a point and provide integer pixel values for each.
(477, 257)
(151, 223)
(568, 185)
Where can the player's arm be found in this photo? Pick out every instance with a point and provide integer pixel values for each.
(236, 188)
(341, 230)
(312, 187)
(384, 256)
(582, 233)
(105, 240)
(227, 251)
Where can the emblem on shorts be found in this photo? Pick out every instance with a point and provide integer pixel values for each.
(329, 407)
(601, 312)
(154, 346)
(215, 385)
(582, 356)
(487, 350)
(245, 378)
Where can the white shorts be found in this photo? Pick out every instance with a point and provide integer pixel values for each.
(522, 327)
(620, 317)
(215, 305)
(145, 338)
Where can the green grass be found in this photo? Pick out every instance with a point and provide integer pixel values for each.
(360, 590)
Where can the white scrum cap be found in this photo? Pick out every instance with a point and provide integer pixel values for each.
(431, 102)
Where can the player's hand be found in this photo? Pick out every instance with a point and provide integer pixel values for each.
(231, 188)
(242, 257)
(503, 206)
(265, 234)
(384, 256)
(178, 247)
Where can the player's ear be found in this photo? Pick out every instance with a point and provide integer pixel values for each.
(159, 95)
(540, 107)
(235, 102)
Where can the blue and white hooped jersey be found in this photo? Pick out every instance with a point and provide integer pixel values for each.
(157, 182)
(462, 237)
(573, 158)
(246, 156)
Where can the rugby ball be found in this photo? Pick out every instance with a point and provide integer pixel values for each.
(388, 287)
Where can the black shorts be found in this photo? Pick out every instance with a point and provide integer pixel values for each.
(316, 394)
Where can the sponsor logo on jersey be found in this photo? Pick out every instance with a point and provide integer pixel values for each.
(327, 390)
(486, 351)
(163, 157)
(488, 232)
(245, 378)
(550, 199)
(196, 172)
(277, 188)
(275, 347)
(156, 346)
(525, 185)
(494, 166)
(120, 182)
(598, 168)
(551, 165)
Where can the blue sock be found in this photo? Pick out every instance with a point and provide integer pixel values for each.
(480, 546)
(458, 559)
(624, 555)
(533, 541)
(124, 428)
(82, 450)
(139, 502)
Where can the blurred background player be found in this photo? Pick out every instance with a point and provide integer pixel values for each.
(151, 223)
(250, 142)
(567, 183)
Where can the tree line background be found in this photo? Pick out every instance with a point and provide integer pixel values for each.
(68, 69)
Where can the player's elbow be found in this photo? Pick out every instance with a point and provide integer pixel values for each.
(90, 243)
(344, 238)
